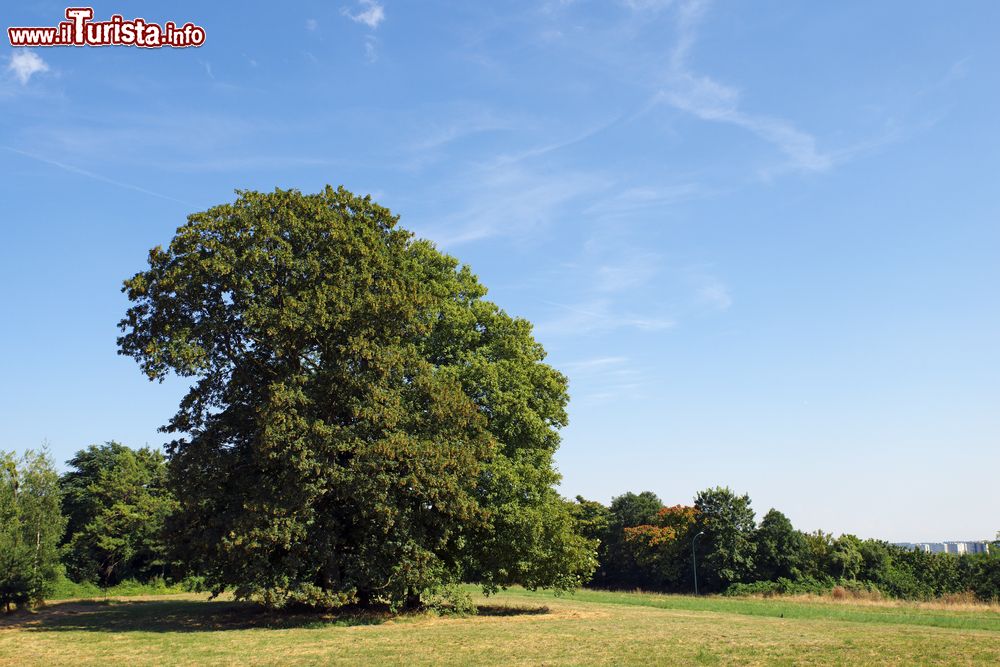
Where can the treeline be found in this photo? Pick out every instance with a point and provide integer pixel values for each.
(646, 545)
(102, 522)
(107, 521)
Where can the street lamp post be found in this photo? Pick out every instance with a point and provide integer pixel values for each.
(694, 561)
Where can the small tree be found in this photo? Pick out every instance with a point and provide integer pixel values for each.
(846, 556)
(116, 502)
(30, 527)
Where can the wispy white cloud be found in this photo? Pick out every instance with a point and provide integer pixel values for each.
(709, 289)
(639, 198)
(120, 142)
(647, 5)
(635, 270)
(24, 64)
(508, 201)
(603, 378)
(596, 364)
(312, 25)
(957, 71)
(145, 139)
(716, 294)
(708, 99)
(92, 175)
(469, 123)
(369, 12)
(545, 149)
(514, 193)
(599, 316)
(371, 52)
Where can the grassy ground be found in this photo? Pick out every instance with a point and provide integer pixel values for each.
(517, 627)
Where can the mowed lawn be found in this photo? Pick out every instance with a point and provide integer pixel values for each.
(516, 627)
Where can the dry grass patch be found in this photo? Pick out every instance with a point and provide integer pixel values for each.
(956, 602)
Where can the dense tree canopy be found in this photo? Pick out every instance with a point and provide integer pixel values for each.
(116, 501)
(662, 548)
(648, 546)
(363, 424)
(30, 527)
(617, 560)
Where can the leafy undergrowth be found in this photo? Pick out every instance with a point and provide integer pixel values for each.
(65, 589)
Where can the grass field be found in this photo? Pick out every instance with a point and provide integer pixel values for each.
(516, 627)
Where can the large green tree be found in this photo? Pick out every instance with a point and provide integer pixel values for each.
(363, 424)
(116, 501)
(727, 548)
(781, 550)
(30, 527)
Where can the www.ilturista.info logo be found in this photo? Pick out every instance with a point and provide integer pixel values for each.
(80, 30)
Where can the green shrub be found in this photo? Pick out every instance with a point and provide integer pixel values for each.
(66, 589)
(452, 599)
(783, 586)
(765, 588)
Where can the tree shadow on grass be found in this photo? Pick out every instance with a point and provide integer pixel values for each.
(507, 610)
(203, 616)
(179, 616)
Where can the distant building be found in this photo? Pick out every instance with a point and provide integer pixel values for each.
(955, 548)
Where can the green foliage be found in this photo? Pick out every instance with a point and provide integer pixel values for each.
(66, 589)
(734, 557)
(630, 509)
(364, 424)
(116, 501)
(847, 557)
(662, 549)
(985, 576)
(876, 561)
(617, 566)
(452, 600)
(30, 527)
(726, 552)
(781, 550)
(593, 520)
(819, 554)
(781, 586)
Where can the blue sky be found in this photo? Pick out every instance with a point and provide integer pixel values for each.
(760, 238)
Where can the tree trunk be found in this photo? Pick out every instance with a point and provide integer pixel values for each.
(412, 599)
(34, 565)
